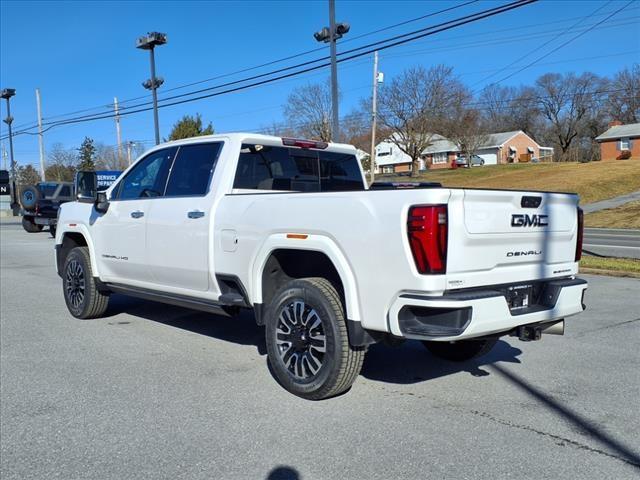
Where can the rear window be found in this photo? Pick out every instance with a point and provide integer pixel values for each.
(47, 189)
(65, 191)
(262, 167)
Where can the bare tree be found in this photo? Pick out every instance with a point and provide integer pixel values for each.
(415, 105)
(61, 163)
(468, 131)
(511, 108)
(308, 111)
(107, 158)
(623, 101)
(568, 105)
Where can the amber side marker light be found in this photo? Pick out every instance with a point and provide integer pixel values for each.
(298, 236)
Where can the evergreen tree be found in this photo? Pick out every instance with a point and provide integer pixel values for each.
(190, 126)
(86, 155)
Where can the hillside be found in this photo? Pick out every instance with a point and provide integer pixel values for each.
(592, 181)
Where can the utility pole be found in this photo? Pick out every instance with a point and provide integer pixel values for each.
(40, 137)
(129, 144)
(118, 136)
(330, 35)
(7, 93)
(4, 157)
(374, 115)
(334, 72)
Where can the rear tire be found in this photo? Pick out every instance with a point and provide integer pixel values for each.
(30, 226)
(80, 288)
(307, 342)
(460, 351)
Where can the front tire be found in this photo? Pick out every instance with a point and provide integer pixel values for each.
(307, 343)
(460, 351)
(30, 226)
(80, 288)
(52, 230)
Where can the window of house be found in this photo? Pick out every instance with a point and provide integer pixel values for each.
(625, 144)
(192, 170)
(440, 157)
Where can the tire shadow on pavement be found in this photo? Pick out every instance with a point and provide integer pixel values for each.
(412, 363)
(240, 329)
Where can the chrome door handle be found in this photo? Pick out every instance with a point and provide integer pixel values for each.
(137, 214)
(195, 214)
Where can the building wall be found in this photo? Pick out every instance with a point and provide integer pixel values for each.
(520, 141)
(428, 160)
(402, 168)
(610, 149)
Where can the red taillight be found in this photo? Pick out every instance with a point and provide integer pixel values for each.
(580, 234)
(295, 142)
(427, 230)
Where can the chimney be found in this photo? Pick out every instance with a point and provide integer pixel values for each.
(614, 123)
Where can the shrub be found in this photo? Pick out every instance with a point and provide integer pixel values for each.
(625, 155)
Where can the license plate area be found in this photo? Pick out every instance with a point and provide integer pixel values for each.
(520, 297)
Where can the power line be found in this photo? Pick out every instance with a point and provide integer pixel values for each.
(575, 37)
(272, 62)
(397, 40)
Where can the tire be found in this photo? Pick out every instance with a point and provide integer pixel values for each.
(460, 351)
(52, 230)
(79, 287)
(295, 349)
(30, 226)
(29, 196)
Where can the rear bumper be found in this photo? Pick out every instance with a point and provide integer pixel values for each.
(479, 312)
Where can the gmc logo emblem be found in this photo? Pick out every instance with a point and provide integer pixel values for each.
(524, 220)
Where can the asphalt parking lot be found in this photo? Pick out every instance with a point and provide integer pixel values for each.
(159, 392)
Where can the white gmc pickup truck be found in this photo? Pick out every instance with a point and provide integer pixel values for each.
(290, 229)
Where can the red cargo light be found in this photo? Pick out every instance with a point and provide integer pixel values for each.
(427, 230)
(296, 142)
(580, 235)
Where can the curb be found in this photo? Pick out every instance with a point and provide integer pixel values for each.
(609, 273)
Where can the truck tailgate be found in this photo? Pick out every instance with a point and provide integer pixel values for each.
(510, 235)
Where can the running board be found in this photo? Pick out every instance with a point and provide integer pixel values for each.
(169, 298)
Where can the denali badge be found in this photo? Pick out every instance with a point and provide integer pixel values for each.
(524, 254)
(524, 220)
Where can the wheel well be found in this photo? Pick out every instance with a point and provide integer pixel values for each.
(284, 265)
(70, 240)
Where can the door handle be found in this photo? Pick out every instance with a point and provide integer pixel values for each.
(195, 214)
(137, 214)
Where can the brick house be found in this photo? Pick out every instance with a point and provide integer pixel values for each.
(500, 148)
(619, 138)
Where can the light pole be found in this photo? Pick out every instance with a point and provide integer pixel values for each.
(149, 42)
(330, 35)
(7, 93)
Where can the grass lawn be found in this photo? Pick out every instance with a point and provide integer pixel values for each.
(593, 181)
(624, 216)
(610, 265)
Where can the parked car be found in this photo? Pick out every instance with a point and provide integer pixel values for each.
(288, 228)
(40, 204)
(476, 161)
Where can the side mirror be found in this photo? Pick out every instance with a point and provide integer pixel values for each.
(86, 187)
(102, 203)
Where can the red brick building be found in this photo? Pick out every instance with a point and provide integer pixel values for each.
(618, 139)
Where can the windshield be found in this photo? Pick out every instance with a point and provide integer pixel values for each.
(47, 189)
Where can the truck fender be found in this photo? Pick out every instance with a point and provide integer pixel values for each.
(313, 242)
(84, 231)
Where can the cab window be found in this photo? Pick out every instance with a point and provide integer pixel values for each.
(148, 177)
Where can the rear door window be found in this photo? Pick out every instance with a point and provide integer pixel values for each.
(192, 170)
(262, 167)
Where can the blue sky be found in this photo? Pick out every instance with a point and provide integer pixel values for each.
(82, 54)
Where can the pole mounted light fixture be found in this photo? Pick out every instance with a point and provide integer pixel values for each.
(7, 93)
(329, 35)
(149, 42)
